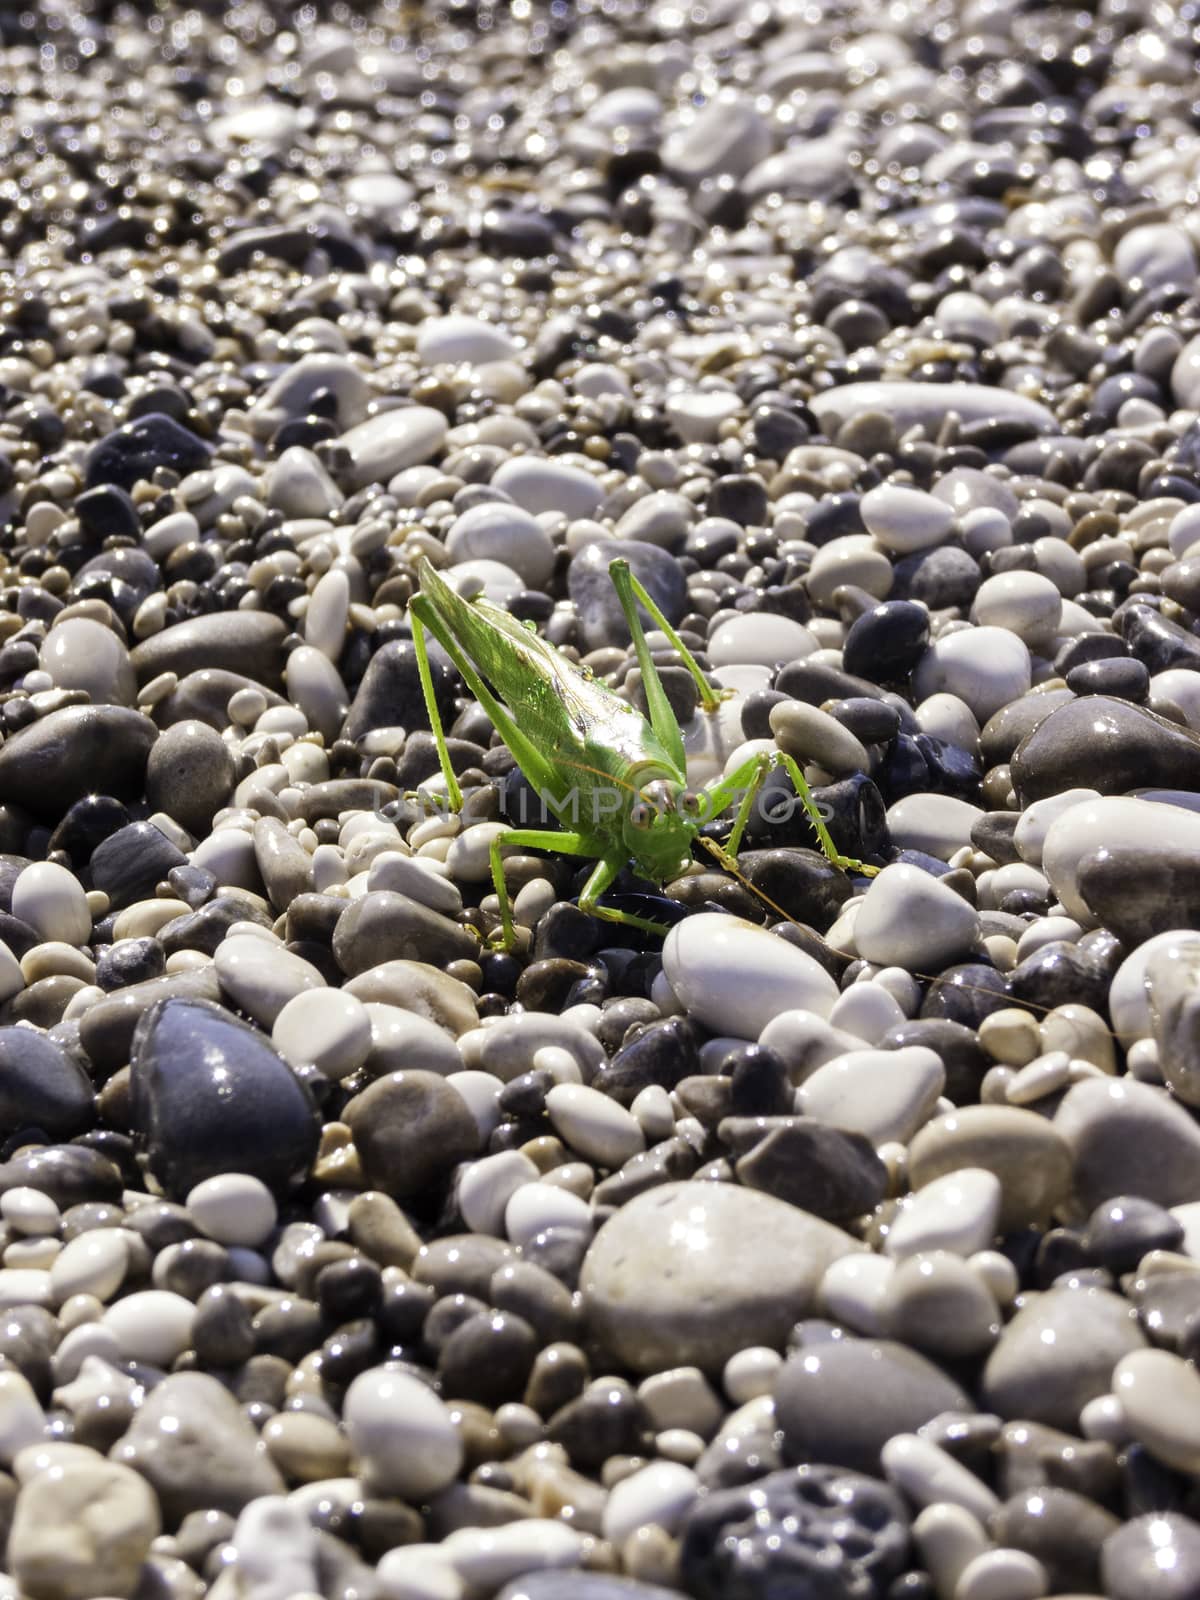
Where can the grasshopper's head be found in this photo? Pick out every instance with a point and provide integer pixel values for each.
(659, 827)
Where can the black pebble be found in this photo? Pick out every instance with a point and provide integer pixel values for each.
(42, 1087)
(966, 994)
(809, 1530)
(1123, 678)
(129, 961)
(488, 1358)
(210, 1095)
(1122, 1230)
(129, 864)
(132, 452)
(886, 643)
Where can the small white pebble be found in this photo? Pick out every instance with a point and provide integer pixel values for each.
(233, 1208)
(29, 1211)
(750, 1372)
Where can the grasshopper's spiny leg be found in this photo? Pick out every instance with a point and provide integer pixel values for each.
(751, 776)
(453, 791)
(568, 844)
(631, 594)
(605, 871)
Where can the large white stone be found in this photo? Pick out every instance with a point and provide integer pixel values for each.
(736, 977)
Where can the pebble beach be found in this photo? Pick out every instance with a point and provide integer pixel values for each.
(841, 1239)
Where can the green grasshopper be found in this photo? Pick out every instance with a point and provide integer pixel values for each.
(628, 775)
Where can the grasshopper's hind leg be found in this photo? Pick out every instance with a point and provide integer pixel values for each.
(631, 594)
(453, 790)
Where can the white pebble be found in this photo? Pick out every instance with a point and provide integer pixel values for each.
(908, 918)
(903, 519)
(538, 1206)
(93, 1263)
(759, 639)
(957, 1212)
(234, 1208)
(153, 1326)
(948, 1538)
(1002, 1575)
(884, 1094)
(22, 1420)
(658, 1494)
(324, 1028)
(488, 1185)
(490, 1557)
(736, 977)
(29, 1211)
(853, 1291)
(51, 900)
(1160, 1396)
(417, 1572)
(751, 1372)
(261, 976)
(928, 1474)
(402, 1433)
(594, 1125)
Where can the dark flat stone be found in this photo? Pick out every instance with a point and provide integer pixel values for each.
(249, 642)
(1107, 745)
(77, 751)
(131, 862)
(42, 1086)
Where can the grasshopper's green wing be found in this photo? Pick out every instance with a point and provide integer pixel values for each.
(559, 720)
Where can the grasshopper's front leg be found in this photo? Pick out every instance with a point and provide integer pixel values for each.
(568, 844)
(606, 870)
(747, 781)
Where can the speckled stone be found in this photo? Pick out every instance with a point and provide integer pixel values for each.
(1059, 1352)
(668, 1279)
(841, 1401)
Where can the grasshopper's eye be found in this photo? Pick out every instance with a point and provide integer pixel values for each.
(641, 815)
(691, 804)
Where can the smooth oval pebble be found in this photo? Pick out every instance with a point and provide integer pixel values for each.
(669, 1279)
(485, 1558)
(903, 519)
(736, 978)
(1030, 1158)
(1160, 1396)
(385, 444)
(50, 899)
(1002, 1575)
(658, 1494)
(594, 1125)
(261, 976)
(91, 1263)
(1155, 1556)
(928, 1475)
(538, 484)
(402, 1433)
(908, 918)
(497, 531)
(457, 338)
(987, 668)
(152, 1325)
(759, 640)
(329, 1030)
(234, 1208)
(487, 1186)
(958, 1212)
(884, 1094)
